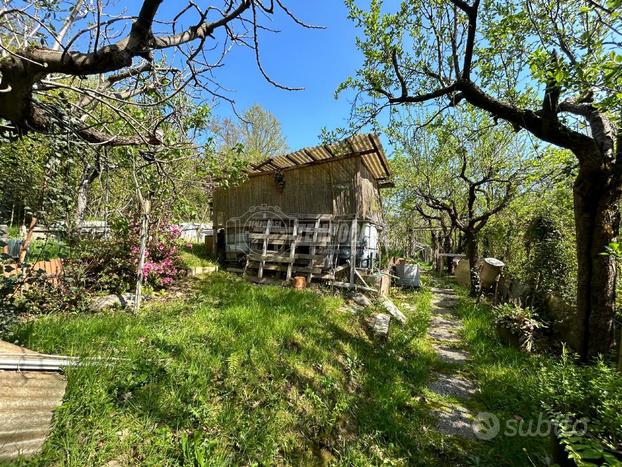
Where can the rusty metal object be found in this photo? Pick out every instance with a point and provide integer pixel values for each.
(300, 282)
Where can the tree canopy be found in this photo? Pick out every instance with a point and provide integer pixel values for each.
(550, 67)
(60, 59)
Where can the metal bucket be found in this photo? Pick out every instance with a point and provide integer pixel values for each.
(408, 274)
(463, 273)
(491, 270)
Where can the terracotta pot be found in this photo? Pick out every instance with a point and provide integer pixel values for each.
(300, 282)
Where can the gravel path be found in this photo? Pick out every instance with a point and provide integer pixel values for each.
(453, 418)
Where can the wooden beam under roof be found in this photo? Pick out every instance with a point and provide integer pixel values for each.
(369, 141)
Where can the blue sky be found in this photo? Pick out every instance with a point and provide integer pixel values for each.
(318, 60)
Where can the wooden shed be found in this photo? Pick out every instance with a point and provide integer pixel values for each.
(302, 213)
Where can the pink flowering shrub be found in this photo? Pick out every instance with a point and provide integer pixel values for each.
(163, 264)
(110, 264)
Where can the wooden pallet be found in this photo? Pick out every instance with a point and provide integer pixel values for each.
(276, 247)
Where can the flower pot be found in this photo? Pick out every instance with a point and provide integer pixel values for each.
(300, 282)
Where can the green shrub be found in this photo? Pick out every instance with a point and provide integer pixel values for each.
(520, 321)
(43, 297)
(105, 264)
(196, 255)
(591, 392)
(109, 265)
(549, 265)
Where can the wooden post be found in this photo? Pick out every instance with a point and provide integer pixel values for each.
(385, 284)
(313, 249)
(292, 250)
(144, 235)
(26, 243)
(264, 253)
(353, 238)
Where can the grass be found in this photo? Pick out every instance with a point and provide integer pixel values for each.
(241, 374)
(516, 387)
(244, 374)
(195, 255)
(508, 388)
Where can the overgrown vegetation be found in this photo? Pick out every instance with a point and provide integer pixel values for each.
(520, 387)
(240, 374)
(196, 255)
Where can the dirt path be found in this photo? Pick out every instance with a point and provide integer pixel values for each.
(449, 384)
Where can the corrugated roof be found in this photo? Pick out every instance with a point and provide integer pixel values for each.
(27, 401)
(366, 146)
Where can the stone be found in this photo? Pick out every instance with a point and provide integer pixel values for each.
(114, 300)
(393, 310)
(452, 386)
(352, 309)
(455, 420)
(444, 329)
(443, 334)
(453, 356)
(379, 324)
(361, 299)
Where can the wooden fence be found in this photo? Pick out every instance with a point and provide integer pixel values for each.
(52, 269)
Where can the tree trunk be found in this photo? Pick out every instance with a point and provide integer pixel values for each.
(448, 244)
(12, 215)
(597, 224)
(81, 203)
(434, 240)
(144, 235)
(89, 175)
(472, 253)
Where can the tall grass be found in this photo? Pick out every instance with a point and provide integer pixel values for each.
(240, 374)
(196, 255)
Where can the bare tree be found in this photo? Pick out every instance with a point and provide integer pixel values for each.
(472, 220)
(117, 60)
(494, 56)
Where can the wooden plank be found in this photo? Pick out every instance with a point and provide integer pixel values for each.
(292, 251)
(283, 268)
(272, 236)
(279, 258)
(315, 230)
(265, 280)
(346, 285)
(358, 274)
(265, 249)
(312, 250)
(353, 235)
